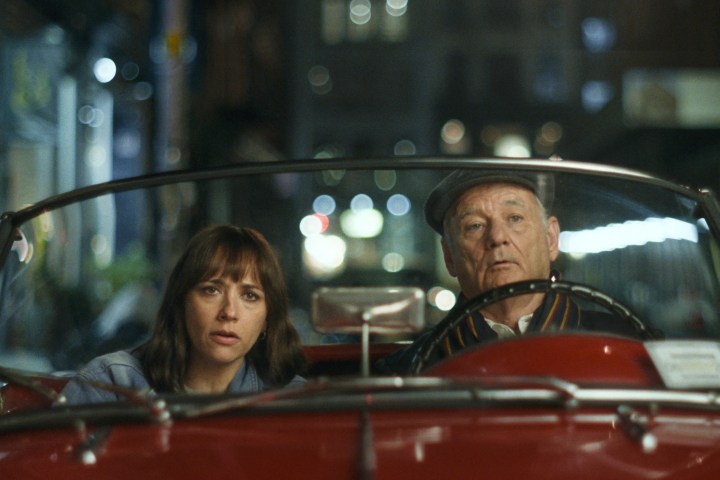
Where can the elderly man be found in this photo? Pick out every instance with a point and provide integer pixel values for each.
(495, 230)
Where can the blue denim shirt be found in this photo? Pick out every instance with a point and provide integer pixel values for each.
(123, 369)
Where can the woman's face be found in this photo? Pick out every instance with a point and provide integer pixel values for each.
(224, 319)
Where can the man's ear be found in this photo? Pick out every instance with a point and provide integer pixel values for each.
(553, 237)
(449, 264)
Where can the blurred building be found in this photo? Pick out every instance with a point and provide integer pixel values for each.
(633, 83)
(100, 89)
(77, 96)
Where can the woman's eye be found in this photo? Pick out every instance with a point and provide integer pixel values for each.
(257, 295)
(209, 289)
(252, 296)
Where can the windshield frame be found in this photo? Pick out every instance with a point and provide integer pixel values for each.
(9, 221)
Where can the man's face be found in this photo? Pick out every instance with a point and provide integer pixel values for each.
(495, 234)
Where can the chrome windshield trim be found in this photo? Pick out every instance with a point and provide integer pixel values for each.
(310, 165)
(648, 396)
(409, 392)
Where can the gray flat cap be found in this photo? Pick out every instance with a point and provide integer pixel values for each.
(451, 187)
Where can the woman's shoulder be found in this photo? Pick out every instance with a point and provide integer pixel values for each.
(121, 368)
(119, 360)
(117, 368)
(297, 381)
(249, 380)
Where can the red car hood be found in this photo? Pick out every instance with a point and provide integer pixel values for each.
(506, 443)
(370, 437)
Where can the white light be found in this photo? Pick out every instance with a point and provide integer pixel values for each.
(365, 223)
(621, 235)
(445, 300)
(324, 254)
(396, 8)
(104, 70)
(311, 225)
(23, 248)
(515, 146)
(360, 11)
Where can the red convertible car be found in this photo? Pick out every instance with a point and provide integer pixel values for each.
(82, 274)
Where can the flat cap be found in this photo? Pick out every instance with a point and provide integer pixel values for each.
(444, 195)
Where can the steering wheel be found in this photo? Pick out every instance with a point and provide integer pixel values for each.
(432, 342)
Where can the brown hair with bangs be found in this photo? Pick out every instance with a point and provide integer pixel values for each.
(229, 251)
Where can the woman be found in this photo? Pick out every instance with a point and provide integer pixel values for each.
(223, 326)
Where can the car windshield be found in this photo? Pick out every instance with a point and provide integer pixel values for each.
(86, 278)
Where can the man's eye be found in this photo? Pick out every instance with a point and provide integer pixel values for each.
(516, 218)
(474, 227)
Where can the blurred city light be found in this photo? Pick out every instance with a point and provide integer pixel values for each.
(455, 141)
(320, 81)
(441, 298)
(324, 205)
(104, 70)
(313, 224)
(398, 204)
(363, 223)
(396, 8)
(453, 131)
(596, 94)
(324, 255)
(393, 262)
(385, 179)
(598, 34)
(361, 201)
(130, 71)
(404, 148)
(547, 137)
(360, 11)
(622, 235)
(512, 145)
(142, 91)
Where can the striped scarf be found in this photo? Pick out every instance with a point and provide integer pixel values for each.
(557, 312)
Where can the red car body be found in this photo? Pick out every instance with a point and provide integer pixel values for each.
(374, 439)
(570, 405)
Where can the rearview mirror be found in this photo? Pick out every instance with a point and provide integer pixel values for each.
(383, 309)
(366, 310)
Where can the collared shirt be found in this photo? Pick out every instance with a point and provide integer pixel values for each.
(123, 368)
(503, 331)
